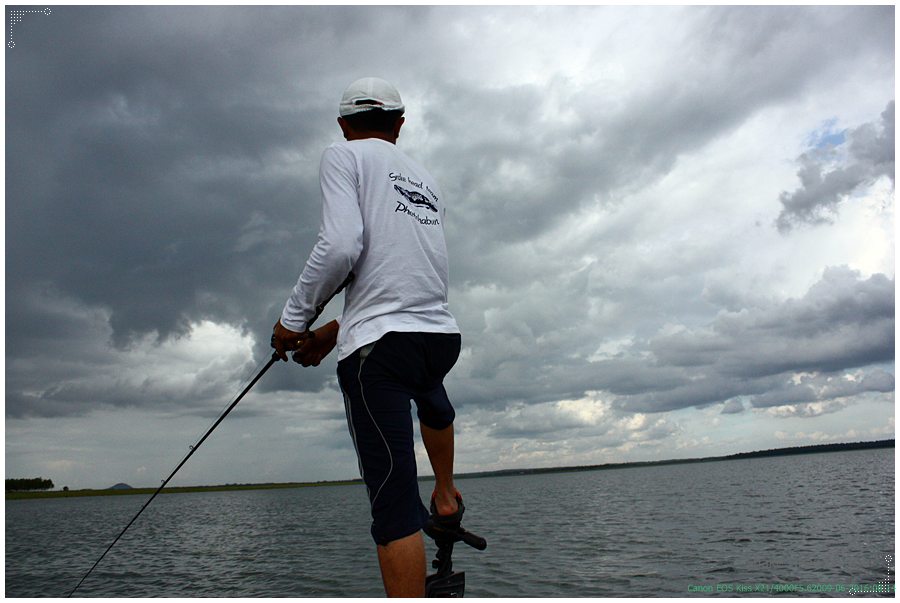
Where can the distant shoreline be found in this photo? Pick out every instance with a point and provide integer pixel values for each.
(174, 489)
(814, 449)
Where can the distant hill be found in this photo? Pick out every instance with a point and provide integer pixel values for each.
(120, 486)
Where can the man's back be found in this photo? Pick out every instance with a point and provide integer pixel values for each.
(402, 271)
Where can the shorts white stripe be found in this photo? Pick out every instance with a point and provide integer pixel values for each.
(363, 354)
(353, 437)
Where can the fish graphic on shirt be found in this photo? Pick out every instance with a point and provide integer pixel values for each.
(416, 198)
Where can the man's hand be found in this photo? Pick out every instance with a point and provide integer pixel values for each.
(313, 349)
(284, 340)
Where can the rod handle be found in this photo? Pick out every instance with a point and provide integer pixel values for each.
(473, 540)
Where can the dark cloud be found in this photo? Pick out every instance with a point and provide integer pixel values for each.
(162, 167)
(842, 323)
(823, 388)
(149, 173)
(733, 407)
(868, 154)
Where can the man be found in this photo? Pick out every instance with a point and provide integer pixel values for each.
(382, 220)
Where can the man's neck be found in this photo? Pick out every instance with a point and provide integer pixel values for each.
(379, 135)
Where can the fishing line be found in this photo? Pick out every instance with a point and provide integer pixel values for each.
(193, 448)
(242, 385)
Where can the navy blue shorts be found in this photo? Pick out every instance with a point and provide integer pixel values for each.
(378, 382)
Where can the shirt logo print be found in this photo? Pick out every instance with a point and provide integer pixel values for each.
(416, 198)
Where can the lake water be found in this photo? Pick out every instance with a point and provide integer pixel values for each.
(773, 524)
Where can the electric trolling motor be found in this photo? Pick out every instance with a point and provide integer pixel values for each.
(445, 582)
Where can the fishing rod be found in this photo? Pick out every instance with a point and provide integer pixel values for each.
(306, 335)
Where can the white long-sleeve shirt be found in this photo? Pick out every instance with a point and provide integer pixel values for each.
(382, 218)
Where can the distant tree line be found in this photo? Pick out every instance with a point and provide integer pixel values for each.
(813, 448)
(741, 455)
(33, 483)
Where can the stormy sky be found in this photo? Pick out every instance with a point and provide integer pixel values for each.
(670, 230)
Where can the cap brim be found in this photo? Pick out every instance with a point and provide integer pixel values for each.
(353, 109)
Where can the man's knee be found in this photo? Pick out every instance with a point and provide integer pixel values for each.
(438, 413)
(397, 511)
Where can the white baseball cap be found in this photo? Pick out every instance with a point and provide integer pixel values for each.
(370, 93)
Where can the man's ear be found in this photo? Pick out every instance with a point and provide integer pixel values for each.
(398, 125)
(345, 127)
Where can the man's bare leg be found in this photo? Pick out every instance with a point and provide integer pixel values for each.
(403, 566)
(439, 445)
(403, 561)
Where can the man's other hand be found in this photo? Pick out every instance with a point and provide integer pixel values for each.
(313, 349)
(284, 340)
